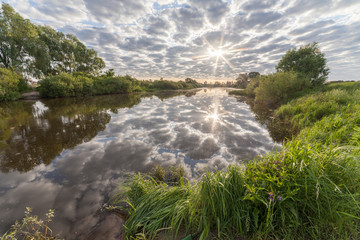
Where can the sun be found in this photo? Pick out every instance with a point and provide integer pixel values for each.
(216, 52)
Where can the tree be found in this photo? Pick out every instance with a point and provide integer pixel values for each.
(109, 73)
(19, 45)
(253, 74)
(242, 80)
(68, 54)
(308, 61)
(190, 80)
(41, 50)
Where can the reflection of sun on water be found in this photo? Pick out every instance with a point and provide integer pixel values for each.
(213, 116)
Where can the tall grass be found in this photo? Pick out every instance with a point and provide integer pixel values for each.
(339, 98)
(309, 190)
(304, 192)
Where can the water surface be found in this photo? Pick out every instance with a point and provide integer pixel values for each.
(70, 154)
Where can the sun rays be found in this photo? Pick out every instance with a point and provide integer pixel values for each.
(219, 53)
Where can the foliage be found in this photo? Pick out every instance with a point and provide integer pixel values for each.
(308, 61)
(275, 88)
(66, 85)
(18, 39)
(80, 84)
(242, 80)
(250, 88)
(110, 85)
(328, 100)
(11, 84)
(304, 192)
(168, 85)
(40, 50)
(254, 74)
(68, 54)
(309, 190)
(165, 207)
(31, 227)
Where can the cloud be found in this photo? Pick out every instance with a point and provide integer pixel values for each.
(116, 12)
(214, 10)
(153, 39)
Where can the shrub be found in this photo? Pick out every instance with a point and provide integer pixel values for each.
(250, 88)
(110, 85)
(167, 85)
(10, 85)
(66, 85)
(276, 88)
(57, 86)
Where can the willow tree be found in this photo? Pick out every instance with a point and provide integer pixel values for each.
(19, 45)
(41, 50)
(68, 54)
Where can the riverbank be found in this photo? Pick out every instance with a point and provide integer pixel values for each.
(309, 190)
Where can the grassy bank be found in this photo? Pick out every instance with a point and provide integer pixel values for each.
(309, 190)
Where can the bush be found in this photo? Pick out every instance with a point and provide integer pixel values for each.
(78, 84)
(250, 88)
(276, 88)
(66, 85)
(11, 84)
(167, 85)
(111, 85)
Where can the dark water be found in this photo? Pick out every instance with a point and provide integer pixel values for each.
(71, 154)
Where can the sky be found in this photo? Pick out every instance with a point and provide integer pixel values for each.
(205, 39)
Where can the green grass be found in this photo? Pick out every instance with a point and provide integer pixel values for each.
(309, 190)
(329, 100)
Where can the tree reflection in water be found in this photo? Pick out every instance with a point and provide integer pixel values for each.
(31, 136)
(278, 130)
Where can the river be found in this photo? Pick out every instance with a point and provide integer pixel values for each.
(72, 154)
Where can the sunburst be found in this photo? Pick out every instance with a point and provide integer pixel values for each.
(218, 53)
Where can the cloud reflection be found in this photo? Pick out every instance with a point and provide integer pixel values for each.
(158, 130)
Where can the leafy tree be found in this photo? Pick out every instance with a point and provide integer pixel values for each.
(41, 50)
(308, 61)
(253, 74)
(68, 54)
(18, 42)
